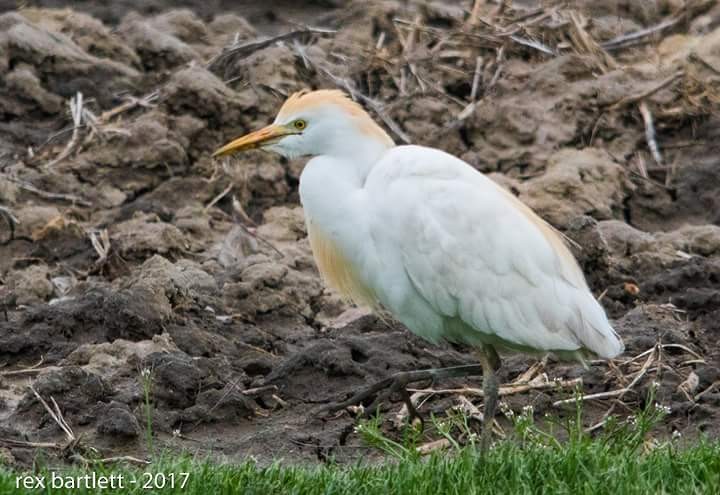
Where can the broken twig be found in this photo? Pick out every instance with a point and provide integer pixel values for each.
(505, 389)
(220, 196)
(650, 91)
(634, 37)
(57, 416)
(46, 194)
(650, 136)
(76, 111)
(241, 50)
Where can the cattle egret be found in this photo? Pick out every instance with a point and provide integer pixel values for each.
(422, 234)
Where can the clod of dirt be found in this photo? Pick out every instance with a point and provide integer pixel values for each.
(224, 29)
(175, 379)
(116, 420)
(158, 49)
(624, 240)
(32, 218)
(151, 152)
(256, 290)
(578, 182)
(235, 247)
(168, 286)
(146, 234)
(363, 348)
(108, 358)
(198, 92)
(283, 224)
(26, 93)
(694, 239)
(276, 66)
(215, 405)
(87, 32)
(148, 142)
(183, 24)
(262, 181)
(77, 388)
(93, 314)
(166, 200)
(31, 285)
(643, 326)
(694, 198)
(194, 221)
(262, 283)
(62, 65)
(62, 238)
(691, 286)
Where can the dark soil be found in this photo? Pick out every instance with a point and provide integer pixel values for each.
(132, 264)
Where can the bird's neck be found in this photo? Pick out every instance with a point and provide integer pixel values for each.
(355, 163)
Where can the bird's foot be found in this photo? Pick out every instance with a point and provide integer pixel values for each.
(397, 383)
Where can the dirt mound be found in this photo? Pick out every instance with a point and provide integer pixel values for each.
(138, 275)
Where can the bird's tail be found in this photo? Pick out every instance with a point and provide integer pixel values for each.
(597, 334)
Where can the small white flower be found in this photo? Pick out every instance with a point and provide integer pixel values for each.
(176, 433)
(145, 373)
(676, 434)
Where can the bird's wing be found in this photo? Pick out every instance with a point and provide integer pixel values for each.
(473, 251)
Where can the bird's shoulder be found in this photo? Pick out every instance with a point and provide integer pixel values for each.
(446, 185)
(413, 161)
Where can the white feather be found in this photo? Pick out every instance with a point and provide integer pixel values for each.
(446, 250)
(471, 254)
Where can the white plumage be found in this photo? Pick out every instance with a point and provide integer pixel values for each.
(473, 265)
(424, 235)
(452, 255)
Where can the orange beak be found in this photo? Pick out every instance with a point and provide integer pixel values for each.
(266, 135)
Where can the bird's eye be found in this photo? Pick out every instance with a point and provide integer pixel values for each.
(300, 124)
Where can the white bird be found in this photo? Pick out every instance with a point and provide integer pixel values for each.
(422, 234)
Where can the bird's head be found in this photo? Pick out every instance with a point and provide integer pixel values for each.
(322, 122)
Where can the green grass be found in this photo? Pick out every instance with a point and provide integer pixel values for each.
(623, 459)
(146, 379)
(590, 468)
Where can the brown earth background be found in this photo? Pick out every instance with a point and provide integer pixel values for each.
(125, 248)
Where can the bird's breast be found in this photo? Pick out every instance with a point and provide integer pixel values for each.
(336, 269)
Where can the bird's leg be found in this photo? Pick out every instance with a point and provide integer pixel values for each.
(413, 414)
(490, 362)
(398, 386)
(493, 357)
